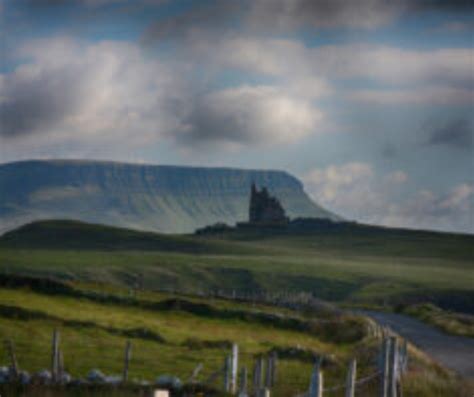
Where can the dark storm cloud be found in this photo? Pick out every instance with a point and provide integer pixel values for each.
(458, 133)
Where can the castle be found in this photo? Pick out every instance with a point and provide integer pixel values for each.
(265, 210)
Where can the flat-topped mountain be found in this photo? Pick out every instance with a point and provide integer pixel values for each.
(168, 199)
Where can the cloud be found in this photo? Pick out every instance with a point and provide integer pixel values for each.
(356, 191)
(279, 16)
(376, 63)
(431, 95)
(87, 3)
(451, 211)
(458, 134)
(205, 19)
(107, 92)
(396, 177)
(346, 188)
(251, 114)
(75, 91)
(453, 27)
(405, 77)
(296, 14)
(394, 65)
(439, 5)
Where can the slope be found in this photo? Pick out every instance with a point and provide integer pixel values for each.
(157, 198)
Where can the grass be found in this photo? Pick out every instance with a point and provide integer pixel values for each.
(450, 322)
(92, 346)
(96, 314)
(357, 269)
(188, 339)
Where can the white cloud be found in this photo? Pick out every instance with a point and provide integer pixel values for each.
(105, 91)
(286, 61)
(67, 92)
(441, 76)
(452, 211)
(375, 62)
(356, 191)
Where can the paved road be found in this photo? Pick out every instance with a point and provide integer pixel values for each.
(455, 352)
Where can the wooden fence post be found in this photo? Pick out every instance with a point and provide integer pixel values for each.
(384, 367)
(264, 392)
(126, 361)
(404, 356)
(316, 385)
(14, 363)
(234, 368)
(351, 379)
(227, 373)
(268, 373)
(243, 382)
(273, 372)
(60, 365)
(393, 367)
(257, 374)
(195, 373)
(55, 356)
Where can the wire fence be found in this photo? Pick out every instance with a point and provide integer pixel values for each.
(247, 374)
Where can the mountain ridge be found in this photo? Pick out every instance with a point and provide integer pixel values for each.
(161, 198)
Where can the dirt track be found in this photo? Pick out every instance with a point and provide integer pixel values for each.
(454, 352)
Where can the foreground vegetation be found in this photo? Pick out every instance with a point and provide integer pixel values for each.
(450, 322)
(172, 334)
(103, 286)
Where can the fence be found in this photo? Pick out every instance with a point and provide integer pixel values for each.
(392, 364)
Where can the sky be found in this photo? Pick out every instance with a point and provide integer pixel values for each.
(368, 102)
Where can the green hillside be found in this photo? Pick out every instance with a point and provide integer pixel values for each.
(66, 234)
(364, 266)
(157, 198)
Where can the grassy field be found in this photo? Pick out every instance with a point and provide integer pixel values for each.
(365, 268)
(108, 284)
(173, 339)
(93, 336)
